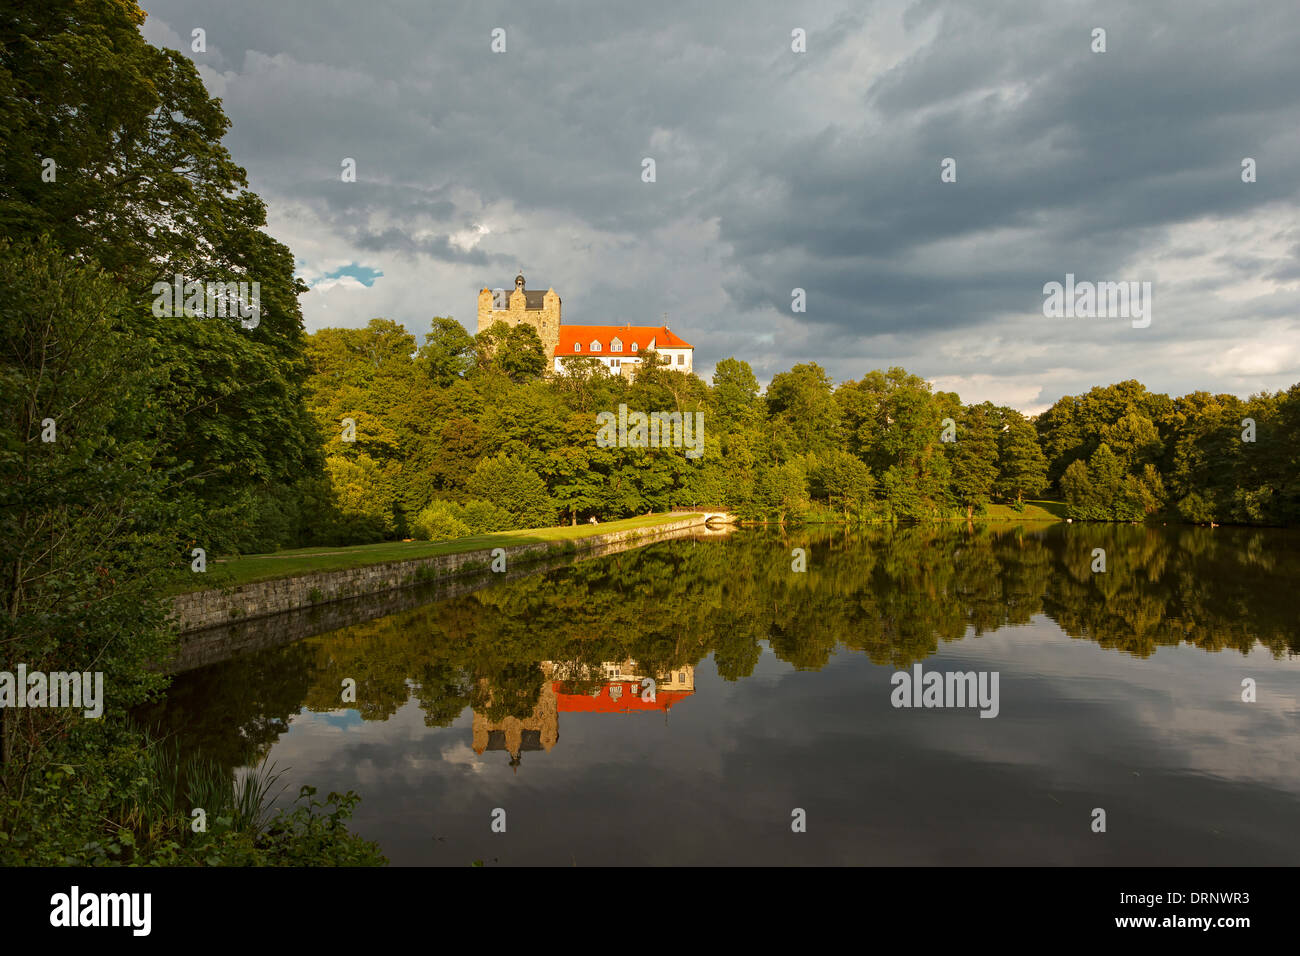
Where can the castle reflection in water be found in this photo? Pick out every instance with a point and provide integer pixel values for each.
(617, 688)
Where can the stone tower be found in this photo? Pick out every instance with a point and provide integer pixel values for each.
(538, 731)
(541, 310)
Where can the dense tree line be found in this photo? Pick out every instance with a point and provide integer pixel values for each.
(1122, 452)
(466, 434)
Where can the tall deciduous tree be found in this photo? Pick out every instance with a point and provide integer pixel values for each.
(511, 485)
(448, 352)
(846, 482)
(735, 399)
(801, 404)
(87, 527)
(515, 352)
(141, 184)
(974, 459)
(1022, 465)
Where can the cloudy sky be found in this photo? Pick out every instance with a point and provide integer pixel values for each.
(777, 170)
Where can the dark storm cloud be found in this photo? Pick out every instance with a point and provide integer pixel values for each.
(1095, 154)
(778, 171)
(398, 240)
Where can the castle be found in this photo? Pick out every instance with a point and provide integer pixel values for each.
(621, 692)
(541, 310)
(617, 347)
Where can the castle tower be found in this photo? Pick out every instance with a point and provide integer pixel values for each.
(538, 731)
(541, 310)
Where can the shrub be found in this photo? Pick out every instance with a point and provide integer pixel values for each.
(129, 802)
(439, 522)
(482, 517)
(1196, 509)
(511, 485)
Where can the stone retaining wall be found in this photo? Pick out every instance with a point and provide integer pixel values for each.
(213, 608)
(212, 645)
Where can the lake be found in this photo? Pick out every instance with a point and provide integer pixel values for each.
(1163, 692)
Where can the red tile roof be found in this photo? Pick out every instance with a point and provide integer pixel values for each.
(642, 335)
(627, 701)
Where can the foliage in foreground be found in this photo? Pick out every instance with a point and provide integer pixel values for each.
(130, 435)
(127, 806)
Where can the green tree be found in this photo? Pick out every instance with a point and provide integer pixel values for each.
(85, 516)
(1134, 439)
(524, 357)
(1022, 467)
(846, 482)
(584, 383)
(366, 498)
(448, 352)
(974, 459)
(512, 486)
(1076, 485)
(781, 492)
(735, 400)
(143, 186)
(893, 421)
(1106, 473)
(513, 351)
(439, 522)
(801, 404)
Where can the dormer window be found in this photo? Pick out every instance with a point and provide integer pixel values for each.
(634, 347)
(577, 346)
(595, 346)
(616, 345)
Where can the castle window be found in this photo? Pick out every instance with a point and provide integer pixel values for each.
(595, 346)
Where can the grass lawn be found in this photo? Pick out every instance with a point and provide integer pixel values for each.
(1034, 511)
(247, 568)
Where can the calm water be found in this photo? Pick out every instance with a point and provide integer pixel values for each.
(1120, 691)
